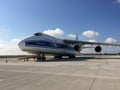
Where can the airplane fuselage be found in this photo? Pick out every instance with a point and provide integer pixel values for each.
(44, 44)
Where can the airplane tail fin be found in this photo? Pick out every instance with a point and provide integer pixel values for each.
(77, 37)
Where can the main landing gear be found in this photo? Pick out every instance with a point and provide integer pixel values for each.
(59, 56)
(71, 56)
(41, 57)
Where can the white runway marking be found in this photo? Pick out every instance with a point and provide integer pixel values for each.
(65, 74)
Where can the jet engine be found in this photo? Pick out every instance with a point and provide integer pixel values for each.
(77, 48)
(98, 48)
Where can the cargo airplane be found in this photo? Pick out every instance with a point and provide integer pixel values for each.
(41, 44)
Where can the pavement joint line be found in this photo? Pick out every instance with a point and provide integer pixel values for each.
(65, 74)
(95, 77)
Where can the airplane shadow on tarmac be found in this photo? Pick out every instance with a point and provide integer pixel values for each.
(66, 59)
(79, 59)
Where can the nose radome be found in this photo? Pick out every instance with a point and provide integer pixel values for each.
(21, 44)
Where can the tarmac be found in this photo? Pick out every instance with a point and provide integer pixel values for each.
(83, 73)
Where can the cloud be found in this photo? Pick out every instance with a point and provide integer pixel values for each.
(92, 40)
(15, 40)
(1, 41)
(56, 32)
(10, 47)
(90, 34)
(71, 35)
(117, 1)
(110, 40)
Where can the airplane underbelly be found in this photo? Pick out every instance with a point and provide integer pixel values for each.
(43, 50)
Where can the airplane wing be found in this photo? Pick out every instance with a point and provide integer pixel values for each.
(89, 43)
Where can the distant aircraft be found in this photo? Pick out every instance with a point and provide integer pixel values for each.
(41, 44)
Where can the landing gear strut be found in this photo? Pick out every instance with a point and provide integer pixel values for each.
(41, 57)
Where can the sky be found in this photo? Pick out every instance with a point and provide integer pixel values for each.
(93, 20)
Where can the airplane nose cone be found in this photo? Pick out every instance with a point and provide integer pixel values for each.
(21, 45)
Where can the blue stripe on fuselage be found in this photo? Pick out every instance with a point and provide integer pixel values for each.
(47, 44)
(40, 43)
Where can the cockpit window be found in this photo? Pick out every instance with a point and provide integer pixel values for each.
(38, 34)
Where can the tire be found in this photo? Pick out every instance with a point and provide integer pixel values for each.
(58, 57)
(71, 56)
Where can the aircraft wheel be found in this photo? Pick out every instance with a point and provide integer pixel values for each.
(58, 57)
(43, 58)
(38, 58)
(71, 56)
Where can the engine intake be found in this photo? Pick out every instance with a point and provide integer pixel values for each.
(77, 47)
(98, 49)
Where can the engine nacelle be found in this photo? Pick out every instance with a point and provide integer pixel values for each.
(98, 48)
(77, 48)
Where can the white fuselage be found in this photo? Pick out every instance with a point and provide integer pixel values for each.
(43, 44)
